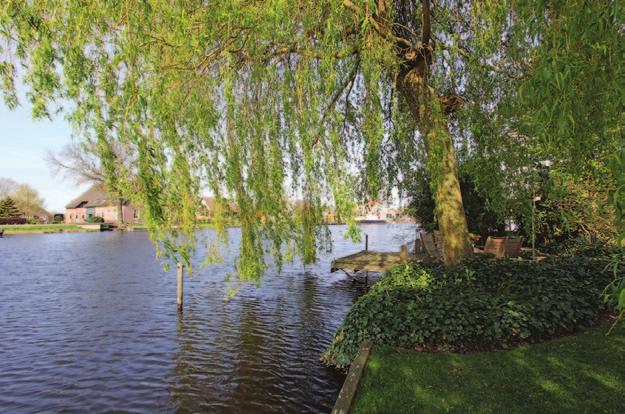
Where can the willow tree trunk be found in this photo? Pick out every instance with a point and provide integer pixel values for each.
(450, 213)
(424, 104)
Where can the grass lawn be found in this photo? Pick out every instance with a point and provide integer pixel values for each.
(232, 223)
(584, 373)
(41, 228)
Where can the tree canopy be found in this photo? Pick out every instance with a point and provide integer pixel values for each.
(28, 200)
(7, 187)
(327, 101)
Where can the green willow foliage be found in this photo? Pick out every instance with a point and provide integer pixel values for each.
(263, 102)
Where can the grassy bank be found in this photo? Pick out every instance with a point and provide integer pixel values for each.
(203, 225)
(73, 228)
(43, 228)
(584, 373)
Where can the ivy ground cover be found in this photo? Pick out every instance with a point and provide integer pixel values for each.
(484, 304)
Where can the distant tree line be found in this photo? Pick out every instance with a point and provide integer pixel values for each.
(19, 200)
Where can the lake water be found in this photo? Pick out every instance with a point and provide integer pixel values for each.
(88, 323)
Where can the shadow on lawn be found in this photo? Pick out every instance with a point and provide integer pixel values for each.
(580, 373)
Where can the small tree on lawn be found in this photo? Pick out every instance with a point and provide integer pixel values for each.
(8, 208)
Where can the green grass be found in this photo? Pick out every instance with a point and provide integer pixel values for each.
(232, 223)
(41, 228)
(584, 373)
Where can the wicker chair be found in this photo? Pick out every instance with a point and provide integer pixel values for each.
(503, 246)
(431, 244)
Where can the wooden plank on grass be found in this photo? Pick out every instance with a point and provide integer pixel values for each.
(350, 386)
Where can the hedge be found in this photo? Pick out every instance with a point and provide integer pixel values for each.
(12, 220)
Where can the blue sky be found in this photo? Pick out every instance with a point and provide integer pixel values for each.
(23, 147)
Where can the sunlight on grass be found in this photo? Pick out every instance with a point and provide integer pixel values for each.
(580, 373)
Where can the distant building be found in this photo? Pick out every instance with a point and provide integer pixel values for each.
(210, 206)
(330, 215)
(97, 202)
(43, 216)
(397, 215)
(373, 211)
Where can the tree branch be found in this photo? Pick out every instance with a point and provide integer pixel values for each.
(426, 29)
(382, 31)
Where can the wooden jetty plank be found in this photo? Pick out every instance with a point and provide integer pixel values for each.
(371, 261)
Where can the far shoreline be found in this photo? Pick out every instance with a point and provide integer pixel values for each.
(10, 230)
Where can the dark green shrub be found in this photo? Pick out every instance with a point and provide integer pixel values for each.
(579, 246)
(12, 220)
(95, 219)
(483, 304)
(8, 208)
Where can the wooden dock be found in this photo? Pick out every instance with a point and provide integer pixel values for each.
(370, 261)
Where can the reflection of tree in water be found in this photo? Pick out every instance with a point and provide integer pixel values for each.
(184, 379)
(260, 351)
(259, 358)
(280, 342)
(308, 312)
(314, 332)
(202, 373)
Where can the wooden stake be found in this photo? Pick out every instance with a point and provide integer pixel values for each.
(180, 269)
(403, 253)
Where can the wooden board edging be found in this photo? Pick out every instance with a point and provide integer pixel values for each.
(347, 394)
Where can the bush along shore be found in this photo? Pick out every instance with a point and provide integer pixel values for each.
(484, 304)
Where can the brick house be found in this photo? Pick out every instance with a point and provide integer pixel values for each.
(96, 202)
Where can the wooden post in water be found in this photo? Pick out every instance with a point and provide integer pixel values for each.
(179, 284)
(403, 253)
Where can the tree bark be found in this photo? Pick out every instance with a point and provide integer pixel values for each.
(425, 106)
(443, 170)
(450, 212)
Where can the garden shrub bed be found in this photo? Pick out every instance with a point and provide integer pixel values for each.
(484, 304)
(12, 220)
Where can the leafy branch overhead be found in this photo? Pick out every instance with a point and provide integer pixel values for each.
(330, 101)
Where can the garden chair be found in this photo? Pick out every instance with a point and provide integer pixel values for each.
(512, 246)
(503, 246)
(430, 245)
(495, 246)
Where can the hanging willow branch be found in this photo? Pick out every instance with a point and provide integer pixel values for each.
(285, 108)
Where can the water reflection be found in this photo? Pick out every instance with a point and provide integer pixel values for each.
(89, 324)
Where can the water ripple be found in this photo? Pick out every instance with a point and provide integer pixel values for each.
(88, 324)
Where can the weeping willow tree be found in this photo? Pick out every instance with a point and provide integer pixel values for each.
(326, 101)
